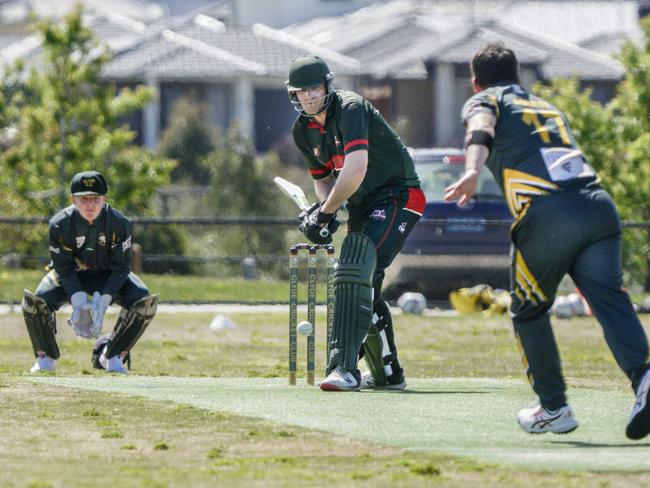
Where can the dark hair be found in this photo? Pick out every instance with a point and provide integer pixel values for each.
(495, 63)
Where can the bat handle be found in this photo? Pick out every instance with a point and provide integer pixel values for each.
(324, 232)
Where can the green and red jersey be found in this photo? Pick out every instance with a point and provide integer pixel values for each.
(353, 124)
(534, 151)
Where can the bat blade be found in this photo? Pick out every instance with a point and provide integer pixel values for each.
(294, 192)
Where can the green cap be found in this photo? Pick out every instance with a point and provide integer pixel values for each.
(88, 183)
(308, 71)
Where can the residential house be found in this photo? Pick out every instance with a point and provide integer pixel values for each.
(415, 54)
(410, 57)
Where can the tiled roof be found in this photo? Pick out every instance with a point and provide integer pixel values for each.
(567, 60)
(111, 29)
(452, 31)
(455, 46)
(7, 39)
(574, 21)
(201, 48)
(143, 10)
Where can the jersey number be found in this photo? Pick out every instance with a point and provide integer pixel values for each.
(532, 117)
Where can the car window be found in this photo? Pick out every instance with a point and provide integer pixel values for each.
(436, 176)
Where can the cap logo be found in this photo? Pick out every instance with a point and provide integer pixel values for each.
(88, 182)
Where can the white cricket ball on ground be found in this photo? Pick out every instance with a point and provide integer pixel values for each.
(411, 302)
(304, 328)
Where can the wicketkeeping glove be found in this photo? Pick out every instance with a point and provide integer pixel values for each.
(81, 320)
(100, 305)
(318, 226)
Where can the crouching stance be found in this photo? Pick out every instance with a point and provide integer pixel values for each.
(90, 248)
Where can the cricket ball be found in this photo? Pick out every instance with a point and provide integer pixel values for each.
(304, 328)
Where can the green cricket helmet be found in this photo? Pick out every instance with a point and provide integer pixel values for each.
(306, 72)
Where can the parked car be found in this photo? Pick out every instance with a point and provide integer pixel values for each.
(452, 246)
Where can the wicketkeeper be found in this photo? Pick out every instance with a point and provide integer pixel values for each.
(355, 156)
(90, 248)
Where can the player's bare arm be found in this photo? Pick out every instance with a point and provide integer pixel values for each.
(323, 187)
(476, 155)
(348, 182)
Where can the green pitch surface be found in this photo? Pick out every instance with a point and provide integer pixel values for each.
(460, 416)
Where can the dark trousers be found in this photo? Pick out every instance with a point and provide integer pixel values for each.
(576, 232)
(51, 290)
(387, 225)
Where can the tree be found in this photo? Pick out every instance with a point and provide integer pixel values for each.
(187, 139)
(241, 182)
(67, 121)
(615, 139)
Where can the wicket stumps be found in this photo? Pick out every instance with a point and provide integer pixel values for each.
(312, 267)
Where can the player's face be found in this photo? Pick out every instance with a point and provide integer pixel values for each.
(312, 99)
(89, 206)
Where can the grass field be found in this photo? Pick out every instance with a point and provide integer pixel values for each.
(206, 408)
(171, 288)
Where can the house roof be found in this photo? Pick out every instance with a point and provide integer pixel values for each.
(141, 10)
(9, 38)
(454, 46)
(206, 48)
(417, 33)
(575, 21)
(111, 29)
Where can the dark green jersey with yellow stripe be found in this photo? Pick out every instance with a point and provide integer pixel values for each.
(352, 124)
(534, 151)
(77, 246)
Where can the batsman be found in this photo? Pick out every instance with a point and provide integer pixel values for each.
(90, 249)
(354, 156)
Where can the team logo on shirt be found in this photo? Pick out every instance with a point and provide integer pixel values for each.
(80, 241)
(317, 151)
(336, 141)
(402, 227)
(378, 214)
(101, 240)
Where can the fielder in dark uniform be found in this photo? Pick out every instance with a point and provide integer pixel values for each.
(565, 222)
(90, 248)
(355, 156)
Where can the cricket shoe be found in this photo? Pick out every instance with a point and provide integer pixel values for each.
(538, 420)
(638, 425)
(369, 383)
(43, 363)
(341, 380)
(113, 364)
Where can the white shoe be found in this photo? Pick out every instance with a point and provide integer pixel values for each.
(45, 363)
(538, 420)
(368, 383)
(340, 380)
(113, 364)
(638, 425)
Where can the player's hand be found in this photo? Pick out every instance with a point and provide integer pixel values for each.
(463, 189)
(81, 320)
(77, 300)
(100, 305)
(318, 226)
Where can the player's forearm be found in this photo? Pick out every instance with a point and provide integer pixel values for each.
(477, 154)
(323, 187)
(475, 157)
(348, 182)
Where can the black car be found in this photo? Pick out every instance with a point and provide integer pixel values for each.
(452, 246)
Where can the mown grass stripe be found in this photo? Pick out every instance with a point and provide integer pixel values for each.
(471, 417)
